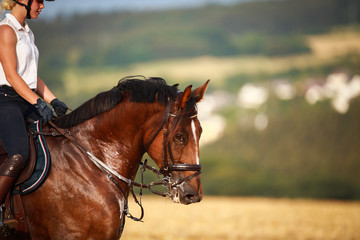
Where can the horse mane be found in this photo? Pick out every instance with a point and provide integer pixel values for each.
(140, 90)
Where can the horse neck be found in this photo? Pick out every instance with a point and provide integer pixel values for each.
(116, 137)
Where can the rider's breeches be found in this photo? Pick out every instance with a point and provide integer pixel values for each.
(13, 132)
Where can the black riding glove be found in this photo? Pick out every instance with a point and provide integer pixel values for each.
(59, 107)
(45, 112)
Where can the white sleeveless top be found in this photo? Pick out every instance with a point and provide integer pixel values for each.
(26, 52)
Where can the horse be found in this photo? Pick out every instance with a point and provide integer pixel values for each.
(97, 156)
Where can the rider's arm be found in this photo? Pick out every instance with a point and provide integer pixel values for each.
(43, 91)
(8, 61)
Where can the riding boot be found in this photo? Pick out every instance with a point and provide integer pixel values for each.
(9, 171)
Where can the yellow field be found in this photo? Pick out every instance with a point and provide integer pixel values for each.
(197, 70)
(336, 43)
(218, 218)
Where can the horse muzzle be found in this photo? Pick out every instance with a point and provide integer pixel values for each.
(187, 192)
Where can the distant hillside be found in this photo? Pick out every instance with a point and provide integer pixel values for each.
(273, 28)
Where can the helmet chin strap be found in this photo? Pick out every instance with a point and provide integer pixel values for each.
(28, 7)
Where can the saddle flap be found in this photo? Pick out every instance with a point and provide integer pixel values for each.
(40, 167)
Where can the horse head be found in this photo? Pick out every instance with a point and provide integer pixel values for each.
(175, 146)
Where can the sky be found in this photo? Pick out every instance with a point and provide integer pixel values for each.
(69, 7)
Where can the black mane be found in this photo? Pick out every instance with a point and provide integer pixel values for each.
(139, 90)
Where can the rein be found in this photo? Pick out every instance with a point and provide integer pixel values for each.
(94, 159)
(165, 170)
(105, 169)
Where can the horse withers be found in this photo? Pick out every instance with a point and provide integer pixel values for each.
(95, 162)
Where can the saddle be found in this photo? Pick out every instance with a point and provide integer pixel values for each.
(30, 178)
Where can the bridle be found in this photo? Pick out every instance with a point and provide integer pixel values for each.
(171, 166)
(166, 170)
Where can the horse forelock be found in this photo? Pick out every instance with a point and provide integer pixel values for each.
(139, 90)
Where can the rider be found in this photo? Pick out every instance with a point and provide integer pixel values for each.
(21, 89)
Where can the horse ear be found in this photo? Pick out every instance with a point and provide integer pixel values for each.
(185, 97)
(198, 93)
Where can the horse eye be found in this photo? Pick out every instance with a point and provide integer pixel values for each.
(180, 138)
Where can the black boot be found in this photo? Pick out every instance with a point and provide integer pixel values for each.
(9, 171)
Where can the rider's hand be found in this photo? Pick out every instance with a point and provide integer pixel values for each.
(45, 112)
(60, 108)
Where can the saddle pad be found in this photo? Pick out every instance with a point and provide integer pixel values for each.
(43, 162)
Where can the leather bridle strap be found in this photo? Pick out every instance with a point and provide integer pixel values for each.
(165, 119)
(182, 180)
(185, 167)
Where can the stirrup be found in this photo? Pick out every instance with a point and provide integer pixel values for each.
(6, 222)
(4, 230)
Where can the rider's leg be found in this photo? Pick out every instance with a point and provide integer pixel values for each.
(14, 138)
(13, 132)
(9, 171)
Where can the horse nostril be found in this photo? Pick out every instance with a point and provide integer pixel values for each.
(191, 198)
